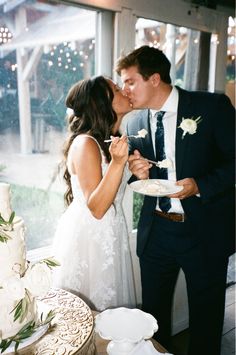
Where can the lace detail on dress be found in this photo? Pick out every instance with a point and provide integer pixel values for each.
(94, 254)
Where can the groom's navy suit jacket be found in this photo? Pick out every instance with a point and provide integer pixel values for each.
(208, 157)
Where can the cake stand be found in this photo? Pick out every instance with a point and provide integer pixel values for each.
(125, 328)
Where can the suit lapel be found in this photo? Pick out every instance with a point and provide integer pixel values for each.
(181, 143)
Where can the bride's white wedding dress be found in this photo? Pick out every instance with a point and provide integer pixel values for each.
(94, 254)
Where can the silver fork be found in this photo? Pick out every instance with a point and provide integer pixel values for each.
(131, 136)
(159, 163)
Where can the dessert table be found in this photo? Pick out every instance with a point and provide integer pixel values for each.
(72, 330)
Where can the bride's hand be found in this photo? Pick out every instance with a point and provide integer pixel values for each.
(119, 150)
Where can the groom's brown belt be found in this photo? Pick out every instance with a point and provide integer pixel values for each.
(175, 217)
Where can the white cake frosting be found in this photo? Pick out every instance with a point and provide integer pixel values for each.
(13, 265)
(5, 206)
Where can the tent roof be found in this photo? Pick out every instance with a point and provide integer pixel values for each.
(63, 24)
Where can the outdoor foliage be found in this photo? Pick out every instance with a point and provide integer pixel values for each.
(138, 201)
(40, 210)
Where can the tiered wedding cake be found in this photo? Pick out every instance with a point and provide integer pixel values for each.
(20, 282)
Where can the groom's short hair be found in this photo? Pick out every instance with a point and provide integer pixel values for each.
(148, 60)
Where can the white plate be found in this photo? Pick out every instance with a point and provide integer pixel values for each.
(155, 187)
(125, 325)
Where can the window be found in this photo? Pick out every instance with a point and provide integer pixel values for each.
(44, 49)
(176, 42)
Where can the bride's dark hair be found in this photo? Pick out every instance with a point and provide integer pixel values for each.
(91, 102)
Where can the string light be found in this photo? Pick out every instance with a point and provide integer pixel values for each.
(60, 54)
(5, 35)
(64, 55)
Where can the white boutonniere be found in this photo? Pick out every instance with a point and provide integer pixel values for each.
(189, 125)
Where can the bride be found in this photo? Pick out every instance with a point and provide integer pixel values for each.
(91, 240)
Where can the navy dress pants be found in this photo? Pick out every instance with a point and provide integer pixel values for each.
(171, 246)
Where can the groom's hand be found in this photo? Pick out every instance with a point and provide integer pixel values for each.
(190, 188)
(139, 166)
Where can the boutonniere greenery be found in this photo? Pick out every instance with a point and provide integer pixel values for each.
(189, 125)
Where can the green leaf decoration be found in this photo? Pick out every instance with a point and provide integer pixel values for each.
(25, 332)
(4, 237)
(24, 309)
(17, 310)
(9, 222)
(21, 309)
(50, 262)
(11, 218)
(2, 221)
(49, 317)
(5, 344)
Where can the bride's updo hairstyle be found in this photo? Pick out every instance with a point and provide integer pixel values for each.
(91, 103)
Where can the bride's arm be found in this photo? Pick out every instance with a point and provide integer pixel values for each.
(99, 191)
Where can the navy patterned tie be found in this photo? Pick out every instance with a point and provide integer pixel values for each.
(164, 202)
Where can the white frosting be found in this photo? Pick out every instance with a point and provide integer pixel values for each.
(155, 187)
(13, 262)
(166, 163)
(13, 252)
(142, 133)
(5, 206)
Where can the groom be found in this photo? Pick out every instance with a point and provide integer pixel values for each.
(194, 228)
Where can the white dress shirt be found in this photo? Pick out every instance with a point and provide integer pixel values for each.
(169, 122)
